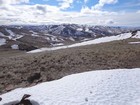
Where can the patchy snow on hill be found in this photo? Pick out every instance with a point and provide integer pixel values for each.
(107, 87)
(58, 44)
(72, 39)
(90, 42)
(2, 41)
(34, 33)
(1, 34)
(17, 37)
(11, 34)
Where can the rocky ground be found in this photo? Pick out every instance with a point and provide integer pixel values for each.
(19, 69)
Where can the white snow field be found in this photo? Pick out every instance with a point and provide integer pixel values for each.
(106, 87)
(95, 41)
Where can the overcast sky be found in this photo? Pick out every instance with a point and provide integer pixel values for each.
(92, 12)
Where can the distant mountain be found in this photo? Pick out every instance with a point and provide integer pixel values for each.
(32, 37)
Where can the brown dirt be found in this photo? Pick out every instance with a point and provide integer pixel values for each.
(24, 70)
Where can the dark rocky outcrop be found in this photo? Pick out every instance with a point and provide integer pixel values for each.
(23, 101)
(34, 77)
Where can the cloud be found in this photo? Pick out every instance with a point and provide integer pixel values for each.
(109, 22)
(5, 2)
(39, 14)
(86, 10)
(99, 17)
(47, 14)
(101, 3)
(45, 8)
(41, 8)
(64, 4)
(138, 11)
(85, 1)
(97, 9)
(30, 14)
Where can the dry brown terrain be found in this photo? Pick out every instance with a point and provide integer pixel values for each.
(18, 69)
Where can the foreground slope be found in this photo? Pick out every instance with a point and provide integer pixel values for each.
(113, 87)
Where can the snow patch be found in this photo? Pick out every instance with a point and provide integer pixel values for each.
(134, 42)
(137, 35)
(47, 38)
(72, 39)
(54, 39)
(34, 33)
(58, 44)
(86, 39)
(18, 37)
(14, 46)
(79, 29)
(87, 29)
(111, 87)
(1, 34)
(2, 41)
(11, 34)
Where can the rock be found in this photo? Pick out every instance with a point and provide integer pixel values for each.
(9, 87)
(34, 77)
(0, 98)
(26, 47)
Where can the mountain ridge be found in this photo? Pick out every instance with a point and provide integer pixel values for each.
(29, 37)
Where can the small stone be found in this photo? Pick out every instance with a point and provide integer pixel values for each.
(34, 77)
(9, 87)
(0, 98)
(86, 99)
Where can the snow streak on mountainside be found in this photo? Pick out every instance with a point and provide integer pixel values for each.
(95, 41)
(113, 87)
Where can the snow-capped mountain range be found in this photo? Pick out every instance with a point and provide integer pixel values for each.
(34, 37)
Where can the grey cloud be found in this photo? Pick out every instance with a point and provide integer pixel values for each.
(41, 8)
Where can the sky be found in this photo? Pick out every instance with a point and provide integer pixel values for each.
(90, 12)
